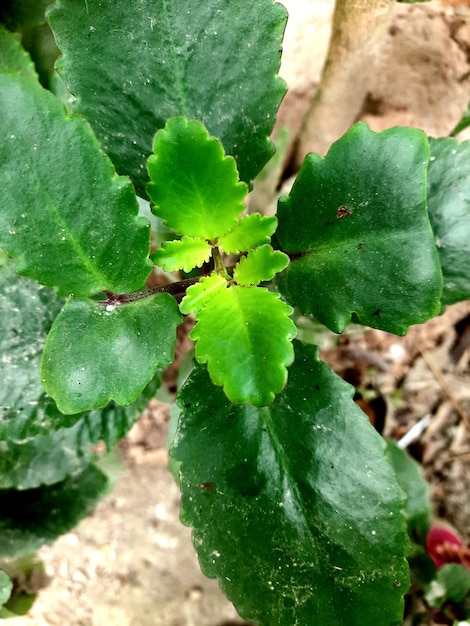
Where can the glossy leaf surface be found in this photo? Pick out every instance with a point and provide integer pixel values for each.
(195, 187)
(244, 335)
(96, 353)
(357, 230)
(32, 518)
(182, 254)
(293, 506)
(249, 232)
(159, 58)
(449, 211)
(260, 265)
(64, 232)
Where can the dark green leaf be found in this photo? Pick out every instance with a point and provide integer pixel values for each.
(294, 507)
(12, 56)
(182, 254)
(449, 211)
(27, 312)
(132, 69)
(358, 233)
(68, 220)
(195, 187)
(244, 335)
(22, 14)
(49, 450)
(32, 518)
(452, 584)
(417, 509)
(96, 353)
(39, 444)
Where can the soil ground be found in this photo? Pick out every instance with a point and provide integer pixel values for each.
(131, 563)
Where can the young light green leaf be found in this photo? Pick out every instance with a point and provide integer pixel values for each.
(155, 59)
(64, 232)
(31, 518)
(182, 254)
(449, 211)
(244, 335)
(249, 232)
(357, 225)
(205, 197)
(198, 295)
(259, 265)
(294, 507)
(96, 353)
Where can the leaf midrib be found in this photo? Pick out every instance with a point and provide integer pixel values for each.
(178, 87)
(70, 237)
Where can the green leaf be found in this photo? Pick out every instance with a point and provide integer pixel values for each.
(12, 56)
(40, 445)
(249, 232)
(32, 518)
(198, 295)
(183, 254)
(294, 507)
(357, 230)
(6, 587)
(205, 197)
(244, 335)
(96, 353)
(23, 14)
(64, 232)
(452, 584)
(156, 59)
(27, 312)
(417, 509)
(449, 211)
(260, 265)
(49, 447)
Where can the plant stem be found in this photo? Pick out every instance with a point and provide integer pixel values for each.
(358, 31)
(177, 290)
(219, 266)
